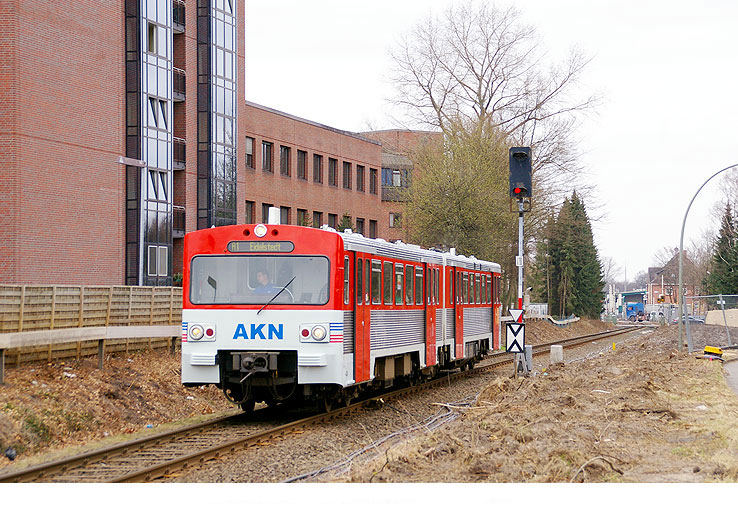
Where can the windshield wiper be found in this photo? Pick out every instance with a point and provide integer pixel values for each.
(276, 295)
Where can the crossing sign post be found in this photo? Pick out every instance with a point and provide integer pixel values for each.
(515, 339)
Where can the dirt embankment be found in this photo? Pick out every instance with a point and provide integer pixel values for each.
(641, 413)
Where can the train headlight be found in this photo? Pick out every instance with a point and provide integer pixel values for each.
(196, 332)
(260, 230)
(319, 333)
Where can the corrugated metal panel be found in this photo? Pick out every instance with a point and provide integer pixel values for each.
(394, 328)
(202, 359)
(348, 332)
(450, 324)
(477, 321)
(312, 360)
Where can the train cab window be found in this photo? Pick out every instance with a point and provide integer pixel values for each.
(398, 283)
(387, 282)
(409, 284)
(376, 282)
(419, 285)
(367, 279)
(436, 285)
(359, 289)
(458, 288)
(346, 274)
(477, 290)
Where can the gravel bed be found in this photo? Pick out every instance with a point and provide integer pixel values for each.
(328, 444)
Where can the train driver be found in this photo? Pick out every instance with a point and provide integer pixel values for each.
(265, 287)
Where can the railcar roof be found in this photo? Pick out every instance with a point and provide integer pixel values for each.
(357, 242)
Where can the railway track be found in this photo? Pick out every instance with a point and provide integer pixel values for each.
(149, 458)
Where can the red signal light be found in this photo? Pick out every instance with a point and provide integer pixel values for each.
(517, 190)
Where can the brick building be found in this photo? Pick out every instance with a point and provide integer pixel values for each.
(398, 146)
(123, 125)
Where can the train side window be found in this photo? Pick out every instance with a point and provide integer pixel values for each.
(450, 287)
(359, 289)
(458, 288)
(409, 284)
(387, 281)
(419, 285)
(428, 280)
(484, 289)
(477, 289)
(346, 274)
(435, 286)
(489, 290)
(376, 282)
(399, 270)
(367, 279)
(465, 288)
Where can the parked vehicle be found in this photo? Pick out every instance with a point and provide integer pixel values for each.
(634, 311)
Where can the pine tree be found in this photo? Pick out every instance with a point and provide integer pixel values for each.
(723, 275)
(576, 272)
(345, 223)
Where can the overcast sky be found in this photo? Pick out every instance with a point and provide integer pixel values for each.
(667, 71)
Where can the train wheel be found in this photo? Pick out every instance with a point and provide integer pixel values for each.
(248, 406)
(325, 403)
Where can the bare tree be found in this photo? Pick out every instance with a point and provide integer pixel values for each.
(610, 270)
(479, 68)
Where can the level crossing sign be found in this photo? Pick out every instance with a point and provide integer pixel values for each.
(515, 340)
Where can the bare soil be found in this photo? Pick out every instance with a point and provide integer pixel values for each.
(640, 413)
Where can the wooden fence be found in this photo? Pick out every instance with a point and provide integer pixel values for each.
(25, 308)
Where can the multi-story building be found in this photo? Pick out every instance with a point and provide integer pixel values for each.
(398, 146)
(123, 125)
(113, 116)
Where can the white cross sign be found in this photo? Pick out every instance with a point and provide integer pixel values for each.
(515, 339)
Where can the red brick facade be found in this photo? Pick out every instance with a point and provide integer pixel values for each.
(61, 132)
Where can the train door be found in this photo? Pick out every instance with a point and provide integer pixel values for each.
(462, 294)
(430, 317)
(362, 281)
(496, 311)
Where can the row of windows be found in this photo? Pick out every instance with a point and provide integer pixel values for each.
(304, 218)
(403, 284)
(285, 166)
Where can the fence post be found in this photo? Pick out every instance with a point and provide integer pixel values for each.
(110, 304)
(20, 312)
(81, 305)
(100, 353)
(53, 305)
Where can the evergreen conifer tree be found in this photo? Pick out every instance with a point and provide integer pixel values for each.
(723, 276)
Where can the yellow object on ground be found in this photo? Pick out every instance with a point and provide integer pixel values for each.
(714, 350)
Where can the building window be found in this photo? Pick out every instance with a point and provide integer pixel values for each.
(395, 220)
(302, 217)
(302, 164)
(346, 175)
(265, 212)
(158, 261)
(359, 178)
(249, 152)
(373, 180)
(284, 215)
(317, 219)
(317, 168)
(372, 229)
(284, 160)
(267, 156)
(332, 172)
(151, 47)
(360, 225)
(333, 221)
(158, 113)
(249, 216)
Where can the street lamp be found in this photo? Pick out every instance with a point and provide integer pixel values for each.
(682, 300)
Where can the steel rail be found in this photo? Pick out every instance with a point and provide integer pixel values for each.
(45, 471)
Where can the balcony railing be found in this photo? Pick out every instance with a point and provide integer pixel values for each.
(178, 222)
(179, 84)
(178, 16)
(180, 153)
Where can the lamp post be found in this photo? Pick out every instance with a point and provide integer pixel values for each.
(682, 300)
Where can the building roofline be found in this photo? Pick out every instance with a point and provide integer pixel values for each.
(402, 131)
(310, 122)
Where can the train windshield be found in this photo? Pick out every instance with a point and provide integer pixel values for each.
(252, 279)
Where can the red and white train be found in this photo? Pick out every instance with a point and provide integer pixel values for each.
(280, 313)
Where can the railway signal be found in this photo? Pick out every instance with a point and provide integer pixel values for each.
(520, 172)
